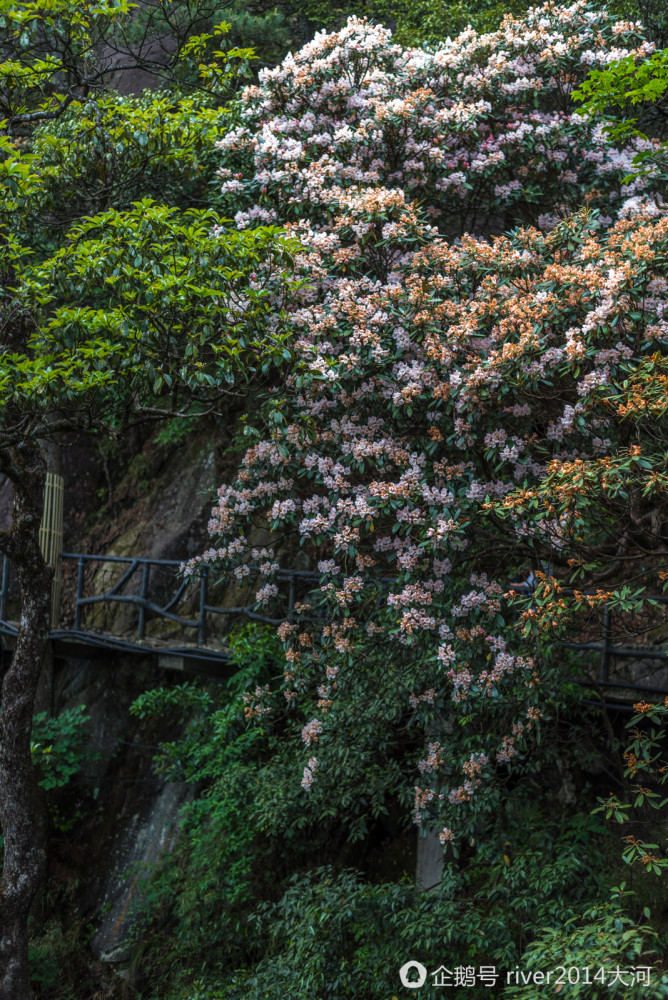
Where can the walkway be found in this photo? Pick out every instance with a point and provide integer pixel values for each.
(144, 607)
(164, 616)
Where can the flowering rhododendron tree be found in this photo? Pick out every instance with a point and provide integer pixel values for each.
(455, 412)
(481, 130)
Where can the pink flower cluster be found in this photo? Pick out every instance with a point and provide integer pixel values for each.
(309, 773)
(480, 129)
(311, 732)
(403, 495)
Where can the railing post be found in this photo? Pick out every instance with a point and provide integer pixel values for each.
(291, 599)
(605, 649)
(3, 591)
(203, 598)
(81, 567)
(5, 586)
(143, 593)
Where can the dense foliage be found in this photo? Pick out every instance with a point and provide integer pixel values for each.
(463, 435)
(261, 864)
(111, 315)
(459, 414)
(456, 412)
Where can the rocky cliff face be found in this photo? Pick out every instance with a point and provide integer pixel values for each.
(128, 816)
(161, 507)
(154, 504)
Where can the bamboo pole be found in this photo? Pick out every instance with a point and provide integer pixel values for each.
(51, 537)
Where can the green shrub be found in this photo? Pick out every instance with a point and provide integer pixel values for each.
(58, 746)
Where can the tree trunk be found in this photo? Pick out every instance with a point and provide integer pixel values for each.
(24, 855)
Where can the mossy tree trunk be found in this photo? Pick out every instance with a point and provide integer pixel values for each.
(24, 856)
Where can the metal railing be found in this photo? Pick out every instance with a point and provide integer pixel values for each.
(608, 650)
(139, 570)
